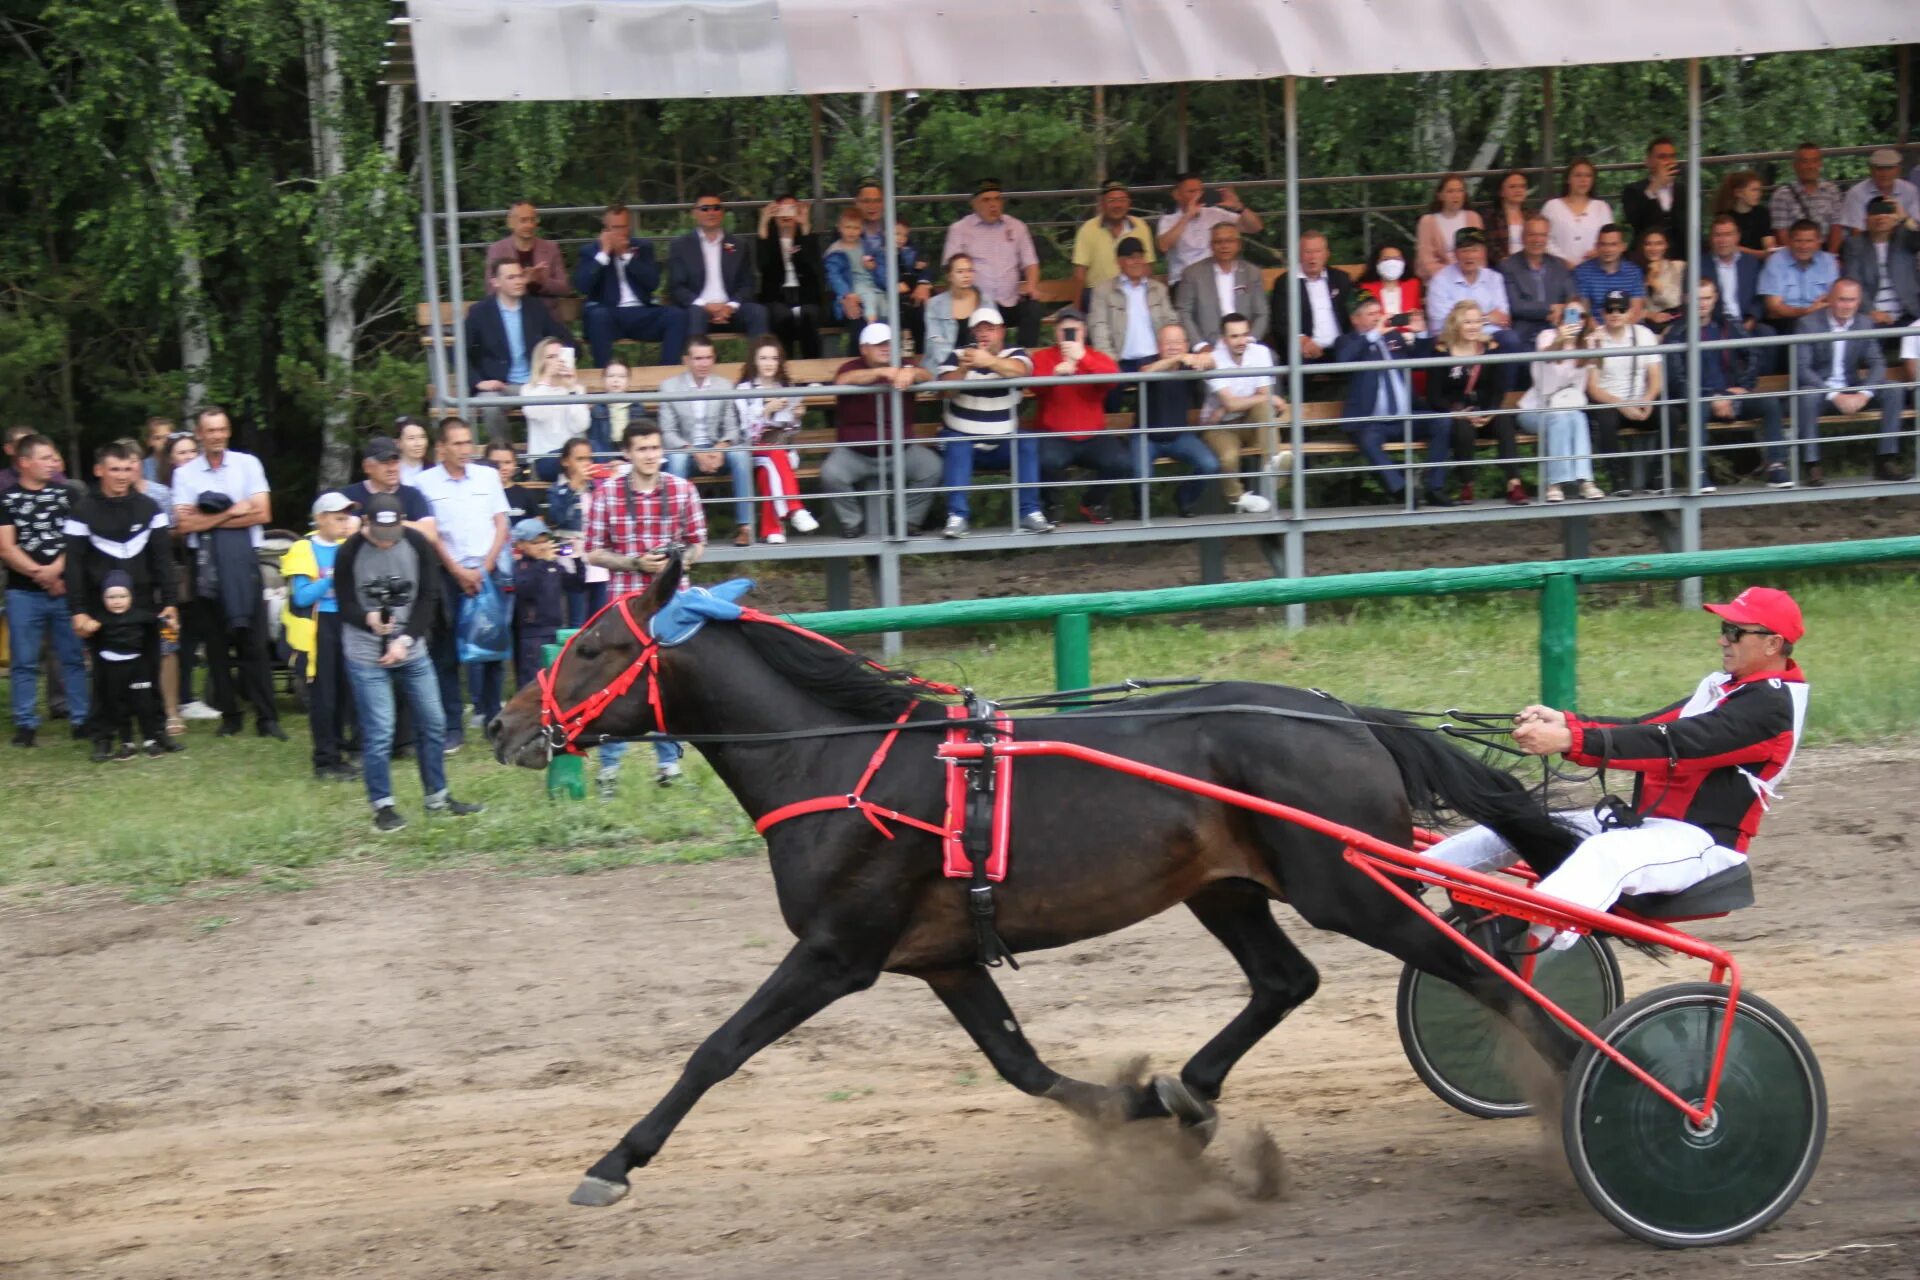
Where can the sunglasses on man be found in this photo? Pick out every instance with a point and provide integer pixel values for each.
(1732, 632)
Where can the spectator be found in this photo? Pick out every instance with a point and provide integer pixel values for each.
(1727, 380)
(1576, 215)
(1440, 227)
(1810, 197)
(222, 503)
(1666, 279)
(176, 659)
(607, 421)
(1740, 197)
(1469, 279)
(1883, 182)
(1380, 406)
(1326, 298)
(980, 426)
(522, 502)
(915, 285)
(635, 521)
(1473, 395)
(9, 474)
(1554, 409)
(1241, 410)
(390, 608)
(792, 280)
(380, 464)
(617, 276)
(1005, 266)
(568, 501)
(1611, 271)
(712, 275)
(125, 672)
(1846, 376)
(1795, 281)
(313, 598)
(470, 518)
(1737, 276)
(110, 533)
(950, 314)
(33, 546)
(1624, 391)
(539, 258)
(1656, 200)
(1225, 285)
(851, 278)
(1185, 235)
(1539, 286)
(769, 423)
(1386, 279)
(415, 442)
(864, 424)
(551, 425)
(157, 432)
(1505, 220)
(1168, 409)
(1127, 311)
(704, 435)
(1881, 258)
(870, 199)
(539, 596)
(1096, 245)
(502, 332)
(1073, 417)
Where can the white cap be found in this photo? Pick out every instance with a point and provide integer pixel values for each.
(986, 315)
(335, 501)
(875, 334)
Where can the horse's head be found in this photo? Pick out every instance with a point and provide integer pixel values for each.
(613, 654)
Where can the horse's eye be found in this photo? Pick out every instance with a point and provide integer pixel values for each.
(589, 651)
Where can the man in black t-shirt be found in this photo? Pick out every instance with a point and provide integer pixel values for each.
(33, 545)
(380, 465)
(1167, 415)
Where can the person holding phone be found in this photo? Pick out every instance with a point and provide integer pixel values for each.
(1656, 200)
(551, 425)
(1074, 418)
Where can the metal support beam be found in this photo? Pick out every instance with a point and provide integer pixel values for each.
(1903, 95)
(1559, 640)
(1180, 129)
(887, 593)
(1072, 651)
(1296, 377)
(839, 585)
(896, 400)
(1576, 541)
(437, 356)
(1099, 135)
(450, 187)
(1546, 130)
(1295, 545)
(1690, 509)
(1213, 560)
(819, 153)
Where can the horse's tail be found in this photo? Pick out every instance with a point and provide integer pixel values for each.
(1441, 778)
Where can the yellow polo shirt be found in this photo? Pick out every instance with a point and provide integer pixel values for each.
(1093, 248)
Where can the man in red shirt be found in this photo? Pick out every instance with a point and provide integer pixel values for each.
(1074, 416)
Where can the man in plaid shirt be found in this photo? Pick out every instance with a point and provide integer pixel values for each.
(633, 520)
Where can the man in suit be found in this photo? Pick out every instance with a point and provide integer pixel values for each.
(1656, 200)
(1222, 285)
(1326, 297)
(1127, 313)
(706, 435)
(1881, 259)
(502, 332)
(1736, 278)
(1379, 405)
(617, 277)
(1539, 285)
(711, 275)
(1845, 377)
(1728, 376)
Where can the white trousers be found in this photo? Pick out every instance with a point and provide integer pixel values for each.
(1661, 855)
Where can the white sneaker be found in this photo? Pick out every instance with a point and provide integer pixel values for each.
(197, 710)
(956, 527)
(1036, 522)
(666, 773)
(1282, 461)
(774, 539)
(802, 521)
(1252, 504)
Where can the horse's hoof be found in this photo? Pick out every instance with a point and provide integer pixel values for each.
(1198, 1117)
(597, 1193)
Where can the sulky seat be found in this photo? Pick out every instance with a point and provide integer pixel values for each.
(1718, 894)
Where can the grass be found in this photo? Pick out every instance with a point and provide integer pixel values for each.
(239, 815)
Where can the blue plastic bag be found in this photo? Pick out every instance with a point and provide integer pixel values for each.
(483, 628)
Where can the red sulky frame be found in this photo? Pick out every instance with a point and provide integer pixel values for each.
(1387, 864)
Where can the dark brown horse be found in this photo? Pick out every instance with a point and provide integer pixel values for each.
(1092, 852)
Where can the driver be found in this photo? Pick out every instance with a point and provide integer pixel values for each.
(1707, 768)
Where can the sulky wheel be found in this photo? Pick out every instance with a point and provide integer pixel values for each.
(1654, 1173)
(1461, 1048)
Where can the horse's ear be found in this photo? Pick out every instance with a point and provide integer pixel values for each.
(664, 584)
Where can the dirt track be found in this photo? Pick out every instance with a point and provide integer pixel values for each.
(405, 1078)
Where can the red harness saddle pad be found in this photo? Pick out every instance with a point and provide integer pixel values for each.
(958, 865)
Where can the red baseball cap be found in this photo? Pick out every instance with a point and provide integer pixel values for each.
(1764, 607)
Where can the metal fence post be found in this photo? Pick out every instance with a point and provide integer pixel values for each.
(1559, 639)
(1072, 658)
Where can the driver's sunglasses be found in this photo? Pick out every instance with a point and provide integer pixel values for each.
(1732, 633)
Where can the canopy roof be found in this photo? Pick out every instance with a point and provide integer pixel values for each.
(525, 50)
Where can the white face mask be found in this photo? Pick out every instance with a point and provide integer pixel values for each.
(1392, 268)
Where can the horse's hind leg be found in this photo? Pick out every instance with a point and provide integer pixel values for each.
(1282, 978)
(810, 978)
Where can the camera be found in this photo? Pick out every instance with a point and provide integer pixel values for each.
(389, 591)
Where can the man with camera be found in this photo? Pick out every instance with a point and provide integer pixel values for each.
(388, 584)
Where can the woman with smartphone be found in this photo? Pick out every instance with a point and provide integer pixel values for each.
(549, 426)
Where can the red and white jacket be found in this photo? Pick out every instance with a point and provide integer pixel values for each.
(1713, 760)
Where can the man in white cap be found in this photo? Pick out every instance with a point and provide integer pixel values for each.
(863, 427)
(1707, 768)
(1883, 180)
(981, 424)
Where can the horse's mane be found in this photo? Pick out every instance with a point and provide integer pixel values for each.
(834, 677)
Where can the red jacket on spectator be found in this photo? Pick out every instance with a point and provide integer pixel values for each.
(1076, 411)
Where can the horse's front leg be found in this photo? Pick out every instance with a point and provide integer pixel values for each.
(812, 976)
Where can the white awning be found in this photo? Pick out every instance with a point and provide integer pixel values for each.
(528, 50)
